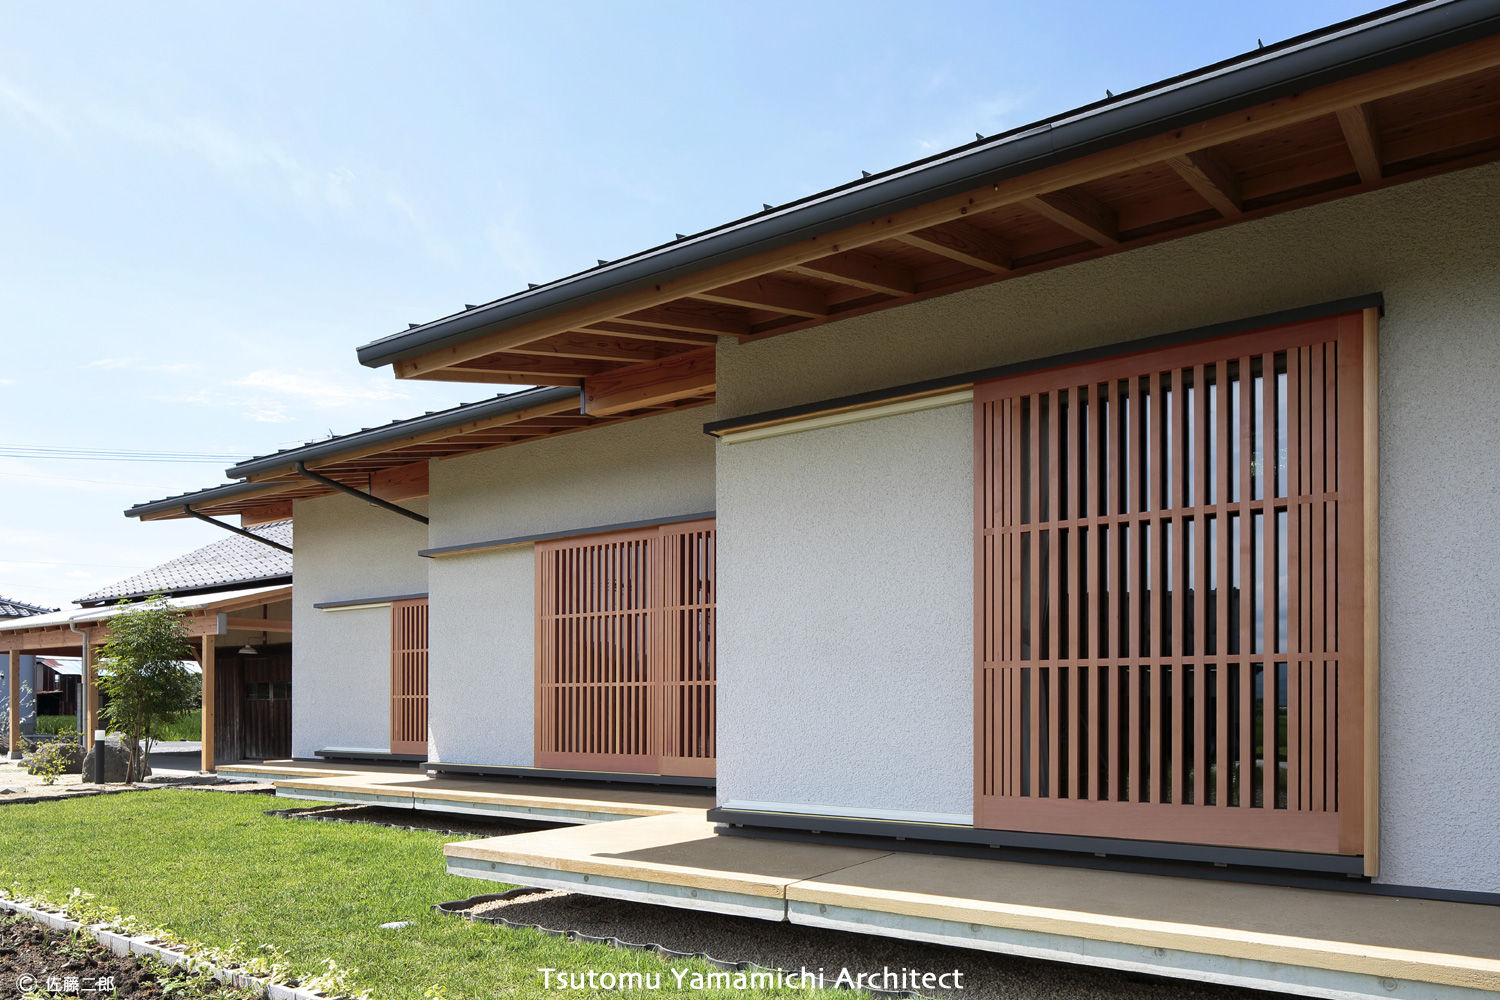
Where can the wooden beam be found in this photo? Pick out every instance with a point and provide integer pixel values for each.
(278, 511)
(678, 377)
(694, 319)
(1358, 125)
(965, 243)
(13, 704)
(404, 482)
(1304, 106)
(862, 270)
(258, 624)
(1091, 219)
(206, 758)
(592, 347)
(90, 694)
(776, 294)
(489, 376)
(500, 420)
(651, 333)
(1208, 175)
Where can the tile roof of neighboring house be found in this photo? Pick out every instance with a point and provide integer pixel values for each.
(20, 609)
(233, 562)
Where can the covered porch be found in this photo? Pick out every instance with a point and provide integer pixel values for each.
(242, 710)
(1309, 942)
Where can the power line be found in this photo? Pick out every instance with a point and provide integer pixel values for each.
(112, 455)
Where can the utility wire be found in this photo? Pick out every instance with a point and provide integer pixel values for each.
(112, 455)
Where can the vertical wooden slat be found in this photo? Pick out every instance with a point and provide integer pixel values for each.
(1247, 585)
(1370, 597)
(1222, 459)
(1072, 598)
(1270, 715)
(1196, 484)
(1054, 563)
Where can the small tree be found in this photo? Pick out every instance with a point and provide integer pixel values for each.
(142, 675)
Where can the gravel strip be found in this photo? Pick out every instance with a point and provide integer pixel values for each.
(772, 945)
(411, 819)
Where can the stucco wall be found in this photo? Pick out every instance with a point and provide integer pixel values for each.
(1439, 268)
(482, 663)
(845, 621)
(341, 676)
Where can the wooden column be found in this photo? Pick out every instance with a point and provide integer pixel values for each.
(14, 704)
(90, 696)
(207, 659)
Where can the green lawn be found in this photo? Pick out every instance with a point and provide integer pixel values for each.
(211, 868)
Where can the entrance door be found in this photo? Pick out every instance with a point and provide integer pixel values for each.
(625, 651)
(1170, 582)
(409, 676)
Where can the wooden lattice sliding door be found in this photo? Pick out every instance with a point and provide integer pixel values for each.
(409, 676)
(625, 651)
(1169, 557)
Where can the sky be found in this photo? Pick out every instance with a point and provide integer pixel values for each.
(205, 208)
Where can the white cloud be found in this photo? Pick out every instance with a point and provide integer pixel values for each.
(29, 110)
(138, 365)
(322, 390)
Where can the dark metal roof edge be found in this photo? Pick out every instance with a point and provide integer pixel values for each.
(403, 428)
(208, 588)
(1373, 300)
(1379, 39)
(356, 602)
(545, 536)
(228, 491)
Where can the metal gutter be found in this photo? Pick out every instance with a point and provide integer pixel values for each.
(214, 494)
(334, 447)
(1383, 38)
(334, 484)
(188, 510)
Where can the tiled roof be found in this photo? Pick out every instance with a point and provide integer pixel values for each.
(233, 562)
(20, 609)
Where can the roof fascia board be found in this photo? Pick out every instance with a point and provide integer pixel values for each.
(367, 442)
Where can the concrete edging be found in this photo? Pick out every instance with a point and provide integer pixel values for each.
(125, 946)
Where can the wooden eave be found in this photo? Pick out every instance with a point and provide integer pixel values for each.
(397, 469)
(1431, 114)
(58, 638)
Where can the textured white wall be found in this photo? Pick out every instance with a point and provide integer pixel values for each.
(1439, 267)
(845, 616)
(482, 665)
(341, 673)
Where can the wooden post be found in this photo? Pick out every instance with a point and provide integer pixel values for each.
(14, 704)
(90, 696)
(207, 763)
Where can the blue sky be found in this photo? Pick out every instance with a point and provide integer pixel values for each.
(207, 207)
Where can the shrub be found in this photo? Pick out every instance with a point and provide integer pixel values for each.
(50, 759)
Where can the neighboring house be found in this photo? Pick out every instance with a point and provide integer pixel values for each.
(23, 691)
(56, 683)
(237, 595)
(1102, 487)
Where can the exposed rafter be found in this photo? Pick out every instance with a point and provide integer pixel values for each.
(1211, 178)
(1358, 125)
(965, 243)
(1076, 211)
(860, 269)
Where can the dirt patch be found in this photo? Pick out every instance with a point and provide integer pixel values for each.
(731, 941)
(36, 959)
(411, 819)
